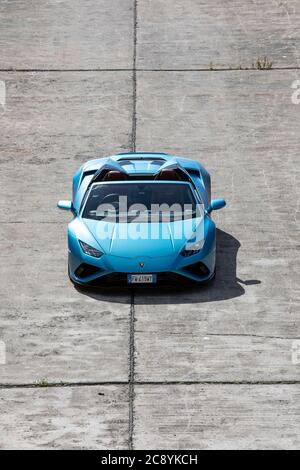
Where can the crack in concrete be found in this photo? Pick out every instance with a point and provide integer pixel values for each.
(136, 69)
(134, 77)
(49, 222)
(132, 308)
(253, 336)
(63, 384)
(131, 373)
(152, 383)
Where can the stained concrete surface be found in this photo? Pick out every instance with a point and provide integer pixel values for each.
(244, 128)
(217, 417)
(205, 368)
(64, 418)
(50, 329)
(192, 34)
(51, 124)
(68, 34)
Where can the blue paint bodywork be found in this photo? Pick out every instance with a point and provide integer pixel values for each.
(163, 255)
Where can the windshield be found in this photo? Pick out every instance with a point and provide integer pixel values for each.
(141, 201)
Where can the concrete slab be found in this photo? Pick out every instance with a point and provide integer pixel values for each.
(186, 344)
(217, 417)
(243, 127)
(64, 418)
(51, 124)
(50, 329)
(66, 35)
(199, 34)
(219, 114)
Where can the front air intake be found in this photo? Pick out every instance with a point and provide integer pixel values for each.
(86, 270)
(197, 269)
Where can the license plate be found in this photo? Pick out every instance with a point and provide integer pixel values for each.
(141, 278)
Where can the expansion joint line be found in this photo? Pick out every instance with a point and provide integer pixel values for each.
(132, 308)
(131, 372)
(134, 79)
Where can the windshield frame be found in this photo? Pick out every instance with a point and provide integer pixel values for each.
(85, 199)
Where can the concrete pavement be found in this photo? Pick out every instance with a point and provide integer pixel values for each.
(208, 368)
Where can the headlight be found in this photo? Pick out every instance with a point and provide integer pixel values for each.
(89, 250)
(192, 249)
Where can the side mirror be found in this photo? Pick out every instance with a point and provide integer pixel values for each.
(216, 204)
(65, 205)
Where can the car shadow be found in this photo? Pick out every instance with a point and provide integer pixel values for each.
(225, 286)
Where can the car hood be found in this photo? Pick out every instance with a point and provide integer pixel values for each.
(130, 240)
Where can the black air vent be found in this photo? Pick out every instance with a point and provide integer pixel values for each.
(85, 270)
(197, 269)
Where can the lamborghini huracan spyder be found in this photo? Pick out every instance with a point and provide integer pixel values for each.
(141, 218)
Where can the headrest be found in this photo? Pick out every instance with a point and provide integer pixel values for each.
(114, 175)
(167, 175)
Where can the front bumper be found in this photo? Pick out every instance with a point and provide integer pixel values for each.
(111, 270)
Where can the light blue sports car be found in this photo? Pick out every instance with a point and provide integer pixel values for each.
(141, 218)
